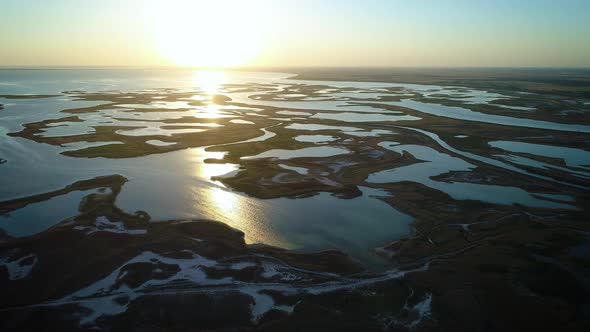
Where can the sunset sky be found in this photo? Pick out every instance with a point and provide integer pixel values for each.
(223, 33)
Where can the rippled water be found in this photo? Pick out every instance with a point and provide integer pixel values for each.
(180, 184)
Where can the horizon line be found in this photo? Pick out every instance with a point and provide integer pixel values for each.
(57, 67)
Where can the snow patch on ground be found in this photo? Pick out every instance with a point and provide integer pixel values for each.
(18, 268)
(410, 316)
(103, 224)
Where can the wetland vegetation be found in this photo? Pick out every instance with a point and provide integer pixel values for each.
(323, 199)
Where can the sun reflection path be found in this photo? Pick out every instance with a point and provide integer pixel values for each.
(243, 213)
(237, 210)
(209, 81)
(218, 202)
(206, 170)
(225, 200)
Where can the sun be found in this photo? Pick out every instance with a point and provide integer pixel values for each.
(208, 34)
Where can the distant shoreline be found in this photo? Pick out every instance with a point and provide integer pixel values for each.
(274, 69)
(568, 80)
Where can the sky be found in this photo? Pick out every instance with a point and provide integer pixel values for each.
(295, 33)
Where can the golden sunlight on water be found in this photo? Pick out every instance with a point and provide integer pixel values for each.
(206, 170)
(226, 201)
(209, 81)
(211, 170)
(242, 213)
(220, 203)
(239, 211)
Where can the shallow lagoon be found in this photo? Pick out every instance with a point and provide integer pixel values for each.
(314, 152)
(315, 138)
(436, 163)
(571, 157)
(179, 185)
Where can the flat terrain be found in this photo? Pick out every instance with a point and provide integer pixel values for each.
(563, 80)
(333, 199)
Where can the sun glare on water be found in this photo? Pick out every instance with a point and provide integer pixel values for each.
(209, 81)
(208, 34)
